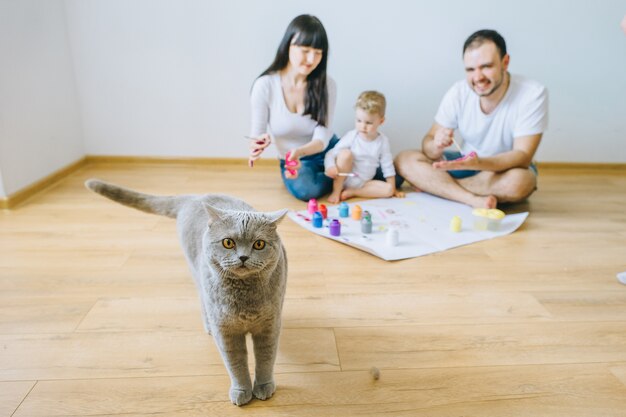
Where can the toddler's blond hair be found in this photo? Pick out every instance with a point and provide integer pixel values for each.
(372, 102)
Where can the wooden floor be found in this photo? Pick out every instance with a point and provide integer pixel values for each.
(98, 314)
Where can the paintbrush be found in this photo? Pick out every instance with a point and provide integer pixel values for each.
(457, 145)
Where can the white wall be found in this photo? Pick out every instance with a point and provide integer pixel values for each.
(163, 77)
(39, 119)
(2, 192)
(172, 78)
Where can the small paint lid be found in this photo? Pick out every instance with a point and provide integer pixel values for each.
(489, 213)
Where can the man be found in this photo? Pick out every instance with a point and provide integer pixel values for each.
(500, 117)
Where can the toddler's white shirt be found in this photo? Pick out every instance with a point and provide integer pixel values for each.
(367, 155)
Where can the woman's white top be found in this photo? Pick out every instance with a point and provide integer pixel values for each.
(288, 130)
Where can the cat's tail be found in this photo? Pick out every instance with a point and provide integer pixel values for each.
(165, 206)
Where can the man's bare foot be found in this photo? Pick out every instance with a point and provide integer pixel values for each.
(488, 202)
(334, 197)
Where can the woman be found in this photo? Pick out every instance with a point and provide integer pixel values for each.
(292, 103)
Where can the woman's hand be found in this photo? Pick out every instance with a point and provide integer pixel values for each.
(257, 146)
(292, 164)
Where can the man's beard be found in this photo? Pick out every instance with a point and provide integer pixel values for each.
(494, 89)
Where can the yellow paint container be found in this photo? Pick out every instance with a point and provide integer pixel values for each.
(455, 224)
(487, 219)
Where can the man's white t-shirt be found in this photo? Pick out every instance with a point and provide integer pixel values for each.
(523, 111)
(288, 130)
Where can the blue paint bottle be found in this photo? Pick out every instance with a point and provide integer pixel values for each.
(318, 220)
(344, 209)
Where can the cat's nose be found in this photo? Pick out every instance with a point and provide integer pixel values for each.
(244, 259)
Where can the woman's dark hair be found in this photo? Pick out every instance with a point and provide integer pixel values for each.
(307, 30)
(486, 35)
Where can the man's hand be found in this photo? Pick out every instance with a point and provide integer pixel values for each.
(469, 161)
(443, 138)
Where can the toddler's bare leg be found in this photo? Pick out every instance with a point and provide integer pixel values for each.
(344, 164)
(371, 189)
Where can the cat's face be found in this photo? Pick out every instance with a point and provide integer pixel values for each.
(243, 244)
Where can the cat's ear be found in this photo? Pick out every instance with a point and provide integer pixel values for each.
(214, 213)
(276, 216)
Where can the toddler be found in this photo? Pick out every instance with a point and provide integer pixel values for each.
(353, 162)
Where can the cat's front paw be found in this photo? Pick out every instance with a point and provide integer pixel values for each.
(264, 391)
(240, 396)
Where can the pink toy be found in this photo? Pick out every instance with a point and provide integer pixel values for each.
(289, 163)
(468, 156)
(312, 206)
(464, 157)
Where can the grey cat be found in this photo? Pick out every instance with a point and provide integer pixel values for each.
(239, 265)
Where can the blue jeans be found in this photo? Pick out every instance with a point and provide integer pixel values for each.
(464, 173)
(311, 181)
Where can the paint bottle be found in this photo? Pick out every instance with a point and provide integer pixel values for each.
(344, 209)
(392, 237)
(356, 212)
(312, 206)
(487, 219)
(335, 227)
(322, 209)
(318, 220)
(455, 224)
(366, 222)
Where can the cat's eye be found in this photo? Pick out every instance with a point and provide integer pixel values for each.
(259, 244)
(228, 243)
